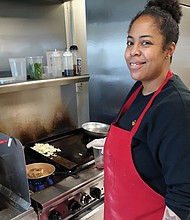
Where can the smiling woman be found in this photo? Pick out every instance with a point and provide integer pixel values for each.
(145, 56)
(146, 154)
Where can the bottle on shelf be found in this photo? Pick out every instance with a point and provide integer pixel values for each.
(68, 63)
(77, 62)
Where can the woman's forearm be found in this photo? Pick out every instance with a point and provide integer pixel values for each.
(170, 215)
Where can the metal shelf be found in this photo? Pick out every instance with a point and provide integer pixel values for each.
(15, 87)
(38, 1)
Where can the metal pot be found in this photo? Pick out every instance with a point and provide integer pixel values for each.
(96, 129)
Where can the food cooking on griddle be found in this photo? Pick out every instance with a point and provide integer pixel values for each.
(46, 149)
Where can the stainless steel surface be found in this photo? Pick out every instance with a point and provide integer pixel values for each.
(32, 114)
(14, 189)
(95, 213)
(30, 28)
(13, 184)
(15, 87)
(71, 195)
(78, 37)
(13, 214)
(110, 79)
(27, 215)
(185, 2)
(96, 129)
(180, 64)
(41, 109)
(26, 105)
(45, 106)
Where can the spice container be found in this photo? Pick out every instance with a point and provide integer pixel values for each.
(79, 66)
(76, 60)
(68, 63)
(34, 67)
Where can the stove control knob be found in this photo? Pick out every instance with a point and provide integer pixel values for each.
(74, 206)
(95, 192)
(55, 215)
(85, 199)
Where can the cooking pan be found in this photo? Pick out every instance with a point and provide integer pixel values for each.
(37, 171)
(96, 129)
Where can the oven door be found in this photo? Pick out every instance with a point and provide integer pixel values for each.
(96, 212)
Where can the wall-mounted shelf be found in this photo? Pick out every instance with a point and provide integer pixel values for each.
(15, 87)
(38, 1)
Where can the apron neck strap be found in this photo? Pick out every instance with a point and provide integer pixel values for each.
(137, 124)
(128, 103)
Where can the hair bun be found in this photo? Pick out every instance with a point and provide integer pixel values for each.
(170, 6)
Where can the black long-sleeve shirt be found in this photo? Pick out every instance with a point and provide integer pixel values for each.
(161, 146)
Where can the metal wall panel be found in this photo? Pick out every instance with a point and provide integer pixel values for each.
(110, 80)
(33, 114)
(181, 58)
(185, 2)
(29, 29)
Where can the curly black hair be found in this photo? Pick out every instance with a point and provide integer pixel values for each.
(167, 15)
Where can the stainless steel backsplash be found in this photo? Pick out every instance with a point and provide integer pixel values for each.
(110, 81)
(30, 29)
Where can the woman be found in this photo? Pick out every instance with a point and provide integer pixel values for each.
(147, 150)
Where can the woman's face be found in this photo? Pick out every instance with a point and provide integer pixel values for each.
(144, 55)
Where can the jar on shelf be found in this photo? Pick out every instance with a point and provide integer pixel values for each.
(34, 67)
(56, 59)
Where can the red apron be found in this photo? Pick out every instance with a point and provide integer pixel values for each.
(127, 196)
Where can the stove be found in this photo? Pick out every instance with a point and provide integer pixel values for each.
(75, 187)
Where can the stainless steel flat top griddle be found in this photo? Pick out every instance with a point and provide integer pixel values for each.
(73, 152)
(75, 186)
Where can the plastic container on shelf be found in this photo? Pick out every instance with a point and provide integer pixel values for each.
(34, 67)
(68, 63)
(18, 69)
(56, 64)
(77, 62)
